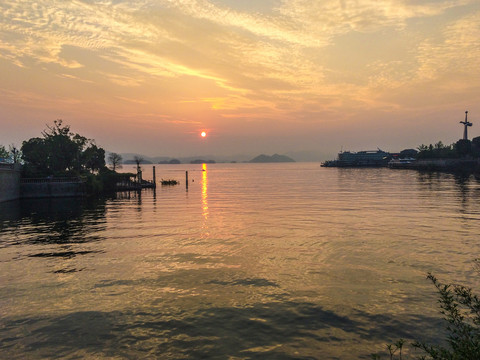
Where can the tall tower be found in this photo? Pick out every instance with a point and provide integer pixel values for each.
(467, 124)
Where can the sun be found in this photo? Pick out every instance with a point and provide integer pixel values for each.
(203, 134)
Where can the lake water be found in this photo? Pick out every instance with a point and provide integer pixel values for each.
(254, 261)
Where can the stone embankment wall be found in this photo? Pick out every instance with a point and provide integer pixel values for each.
(12, 187)
(9, 182)
(446, 164)
(48, 189)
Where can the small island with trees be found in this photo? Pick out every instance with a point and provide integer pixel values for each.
(63, 163)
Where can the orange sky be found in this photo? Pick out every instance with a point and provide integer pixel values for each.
(147, 76)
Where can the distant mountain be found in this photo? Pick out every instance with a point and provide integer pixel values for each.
(200, 161)
(131, 162)
(275, 158)
(128, 158)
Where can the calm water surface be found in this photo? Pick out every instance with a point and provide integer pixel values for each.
(255, 261)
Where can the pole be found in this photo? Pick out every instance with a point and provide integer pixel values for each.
(186, 180)
(154, 178)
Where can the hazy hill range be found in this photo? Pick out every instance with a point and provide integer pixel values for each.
(300, 156)
(275, 158)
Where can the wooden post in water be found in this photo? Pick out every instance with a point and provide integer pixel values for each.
(154, 178)
(186, 180)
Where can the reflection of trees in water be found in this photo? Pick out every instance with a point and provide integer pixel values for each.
(461, 185)
(61, 227)
(63, 221)
(434, 181)
(438, 181)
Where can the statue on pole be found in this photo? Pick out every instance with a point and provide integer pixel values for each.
(467, 124)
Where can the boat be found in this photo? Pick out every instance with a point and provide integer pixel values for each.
(369, 158)
(406, 163)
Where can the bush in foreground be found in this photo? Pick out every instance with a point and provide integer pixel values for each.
(460, 308)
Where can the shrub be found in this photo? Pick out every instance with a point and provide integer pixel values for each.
(460, 308)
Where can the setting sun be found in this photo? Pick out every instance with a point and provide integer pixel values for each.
(203, 134)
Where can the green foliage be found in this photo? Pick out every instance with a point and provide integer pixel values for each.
(61, 153)
(476, 147)
(93, 158)
(15, 153)
(93, 184)
(105, 181)
(11, 155)
(437, 151)
(461, 148)
(4, 153)
(460, 308)
(36, 157)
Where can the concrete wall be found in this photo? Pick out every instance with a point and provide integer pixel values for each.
(9, 182)
(47, 189)
(465, 165)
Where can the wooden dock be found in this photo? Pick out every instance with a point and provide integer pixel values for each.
(134, 185)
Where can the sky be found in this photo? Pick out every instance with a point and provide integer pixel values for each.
(259, 76)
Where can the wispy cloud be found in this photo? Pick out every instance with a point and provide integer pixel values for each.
(297, 58)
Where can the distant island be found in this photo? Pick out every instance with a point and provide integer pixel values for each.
(275, 158)
(200, 161)
(133, 162)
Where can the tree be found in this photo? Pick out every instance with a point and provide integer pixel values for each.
(460, 308)
(64, 147)
(35, 154)
(138, 160)
(116, 161)
(476, 146)
(15, 153)
(463, 147)
(461, 311)
(61, 152)
(422, 147)
(93, 158)
(4, 154)
(437, 151)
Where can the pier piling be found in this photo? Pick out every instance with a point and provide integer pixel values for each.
(154, 179)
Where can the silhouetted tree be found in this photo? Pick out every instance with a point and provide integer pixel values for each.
(36, 157)
(463, 147)
(15, 153)
(61, 152)
(476, 146)
(138, 160)
(4, 154)
(437, 151)
(94, 158)
(116, 161)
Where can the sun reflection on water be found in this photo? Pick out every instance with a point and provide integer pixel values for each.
(204, 192)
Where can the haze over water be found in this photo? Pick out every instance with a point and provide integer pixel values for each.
(261, 261)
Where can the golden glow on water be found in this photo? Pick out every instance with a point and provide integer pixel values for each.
(267, 260)
(204, 191)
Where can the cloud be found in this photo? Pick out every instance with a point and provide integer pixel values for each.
(454, 50)
(336, 17)
(300, 57)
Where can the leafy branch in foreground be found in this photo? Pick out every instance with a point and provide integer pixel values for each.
(460, 308)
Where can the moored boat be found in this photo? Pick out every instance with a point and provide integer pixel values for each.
(370, 158)
(406, 163)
